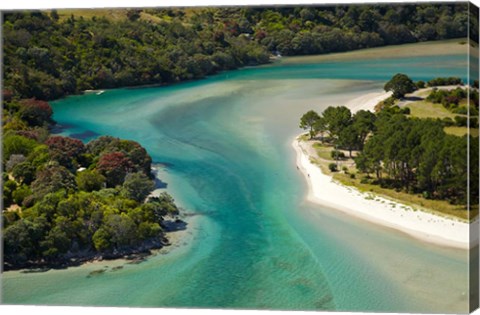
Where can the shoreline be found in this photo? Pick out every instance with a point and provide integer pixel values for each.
(176, 239)
(371, 52)
(133, 254)
(424, 226)
(176, 230)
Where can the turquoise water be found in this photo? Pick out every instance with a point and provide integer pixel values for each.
(254, 242)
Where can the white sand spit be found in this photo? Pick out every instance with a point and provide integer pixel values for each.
(367, 101)
(425, 226)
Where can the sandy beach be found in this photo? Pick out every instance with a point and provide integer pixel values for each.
(367, 101)
(324, 190)
(431, 48)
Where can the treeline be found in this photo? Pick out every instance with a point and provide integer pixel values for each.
(451, 100)
(410, 154)
(338, 125)
(404, 153)
(462, 101)
(416, 155)
(63, 199)
(445, 81)
(47, 57)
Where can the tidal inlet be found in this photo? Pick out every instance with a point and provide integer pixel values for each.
(243, 172)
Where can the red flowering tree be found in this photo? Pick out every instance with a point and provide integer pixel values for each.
(114, 166)
(138, 155)
(35, 112)
(133, 150)
(67, 151)
(7, 95)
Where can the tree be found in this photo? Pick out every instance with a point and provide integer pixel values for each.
(67, 151)
(348, 139)
(24, 173)
(21, 193)
(420, 84)
(137, 186)
(21, 240)
(363, 124)
(308, 121)
(336, 119)
(14, 144)
(122, 230)
(9, 188)
(90, 180)
(114, 166)
(36, 112)
(56, 242)
(101, 239)
(400, 84)
(52, 179)
(162, 205)
(14, 160)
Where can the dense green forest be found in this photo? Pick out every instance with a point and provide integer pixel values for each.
(397, 151)
(48, 55)
(65, 201)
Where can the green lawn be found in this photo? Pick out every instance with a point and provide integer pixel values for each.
(111, 14)
(323, 151)
(425, 109)
(461, 131)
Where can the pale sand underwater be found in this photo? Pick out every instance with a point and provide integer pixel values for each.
(433, 48)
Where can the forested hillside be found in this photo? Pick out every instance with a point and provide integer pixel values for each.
(51, 54)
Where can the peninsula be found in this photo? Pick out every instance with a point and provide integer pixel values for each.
(320, 159)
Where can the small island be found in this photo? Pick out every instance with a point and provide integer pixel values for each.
(400, 160)
(67, 202)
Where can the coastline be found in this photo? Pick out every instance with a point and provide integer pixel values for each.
(134, 255)
(428, 227)
(325, 191)
(175, 235)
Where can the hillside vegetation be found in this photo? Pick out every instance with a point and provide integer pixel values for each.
(51, 54)
(65, 201)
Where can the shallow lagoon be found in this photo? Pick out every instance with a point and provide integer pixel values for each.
(255, 242)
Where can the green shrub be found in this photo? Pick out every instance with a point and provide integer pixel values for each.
(365, 180)
(21, 193)
(332, 167)
(337, 155)
(447, 122)
(420, 84)
(460, 110)
(461, 121)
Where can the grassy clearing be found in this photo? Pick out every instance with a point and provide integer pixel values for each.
(417, 202)
(323, 151)
(461, 131)
(425, 109)
(111, 14)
